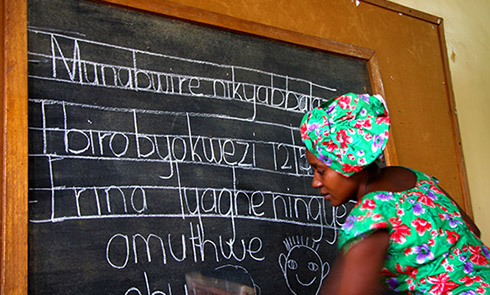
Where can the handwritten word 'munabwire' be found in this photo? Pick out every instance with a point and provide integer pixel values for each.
(298, 95)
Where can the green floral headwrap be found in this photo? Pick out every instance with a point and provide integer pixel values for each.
(348, 132)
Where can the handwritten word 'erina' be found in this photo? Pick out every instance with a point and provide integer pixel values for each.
(116, 200)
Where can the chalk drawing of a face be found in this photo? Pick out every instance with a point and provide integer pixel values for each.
(302, 267)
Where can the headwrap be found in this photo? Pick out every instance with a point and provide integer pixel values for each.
(348, 132)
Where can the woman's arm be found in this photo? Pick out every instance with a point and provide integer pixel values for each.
(358, 272)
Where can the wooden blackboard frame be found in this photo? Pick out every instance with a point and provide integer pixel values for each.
(14, 215)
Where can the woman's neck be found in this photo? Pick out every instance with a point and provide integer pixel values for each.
(392, 179)
(367, 177)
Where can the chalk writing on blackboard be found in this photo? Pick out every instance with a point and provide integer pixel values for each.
(147, 165)
(224, 83)
(101, 144)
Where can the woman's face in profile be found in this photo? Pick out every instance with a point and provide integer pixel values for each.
(333, 186)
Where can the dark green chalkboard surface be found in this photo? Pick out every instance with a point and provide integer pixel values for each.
(158, 147)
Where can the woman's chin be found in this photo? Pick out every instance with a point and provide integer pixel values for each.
(328, 198)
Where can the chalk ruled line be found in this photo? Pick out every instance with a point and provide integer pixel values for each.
(57, 157)
(180, 216)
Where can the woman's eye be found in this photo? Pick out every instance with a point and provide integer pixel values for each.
(320, 172)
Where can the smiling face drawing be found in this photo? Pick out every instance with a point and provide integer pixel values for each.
(303, 270)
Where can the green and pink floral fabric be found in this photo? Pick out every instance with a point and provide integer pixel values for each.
(347, 132)
(432, 250)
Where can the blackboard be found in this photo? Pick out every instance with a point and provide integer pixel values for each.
(158, 147)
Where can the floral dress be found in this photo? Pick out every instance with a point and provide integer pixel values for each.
(432, 250)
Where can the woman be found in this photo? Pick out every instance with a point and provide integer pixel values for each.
(405, 231)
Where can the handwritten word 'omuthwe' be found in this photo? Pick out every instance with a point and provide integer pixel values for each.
(159, 250)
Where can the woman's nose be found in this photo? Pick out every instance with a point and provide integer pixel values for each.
(316, 183)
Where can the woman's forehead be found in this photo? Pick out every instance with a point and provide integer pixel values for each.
(313, 160)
